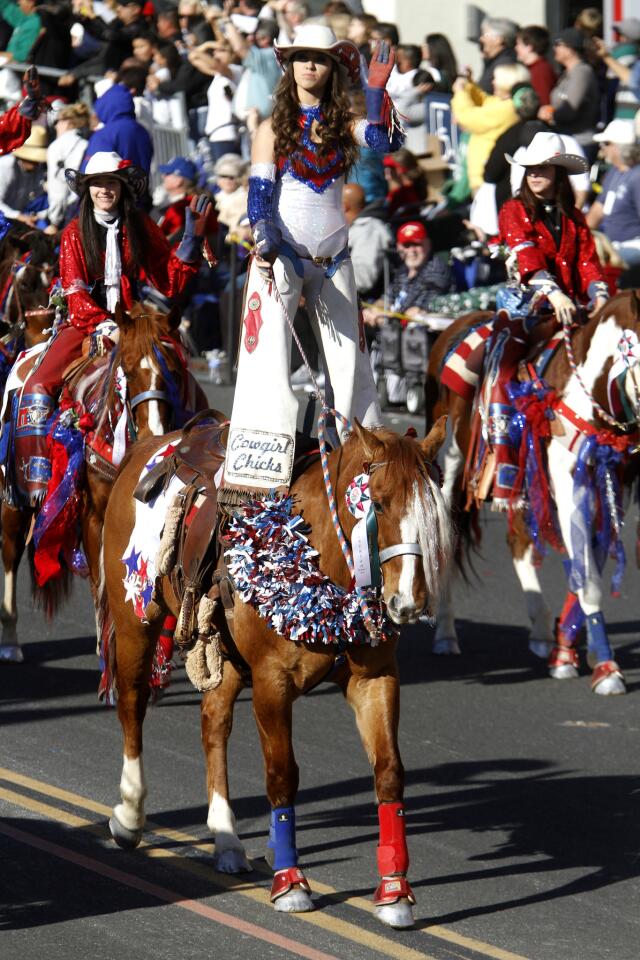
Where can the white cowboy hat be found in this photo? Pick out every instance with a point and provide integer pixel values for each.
(315, 36)
(618, 131)
(549, 148)
(108, 162)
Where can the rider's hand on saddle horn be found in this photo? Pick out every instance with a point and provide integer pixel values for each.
(563, 306)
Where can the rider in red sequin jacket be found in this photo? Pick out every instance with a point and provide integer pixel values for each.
(573, 265)
(103, 253)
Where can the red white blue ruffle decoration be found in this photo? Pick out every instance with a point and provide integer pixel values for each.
(275, 570)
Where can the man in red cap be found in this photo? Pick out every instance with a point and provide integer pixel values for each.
(419, 278)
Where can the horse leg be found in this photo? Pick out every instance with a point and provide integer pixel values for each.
(376, 703)
(272, 700)
(135, 645)
(607, 678)
(14, 527)
(216, 718)
(445, 640)
(541, 636)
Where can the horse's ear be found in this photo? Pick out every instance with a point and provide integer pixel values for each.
(174, 318)
(121, 316)
(435, 438)
(368, 440)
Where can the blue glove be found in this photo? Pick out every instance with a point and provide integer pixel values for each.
(195, 226)
(267, 239)
(31, 106)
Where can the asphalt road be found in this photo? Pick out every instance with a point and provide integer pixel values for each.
(522, 798)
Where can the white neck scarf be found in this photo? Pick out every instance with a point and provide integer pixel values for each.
(112, 262)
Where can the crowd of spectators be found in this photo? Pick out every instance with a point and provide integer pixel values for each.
(115, 71)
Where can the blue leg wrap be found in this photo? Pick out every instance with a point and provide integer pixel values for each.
(282, 837)
(597, 639)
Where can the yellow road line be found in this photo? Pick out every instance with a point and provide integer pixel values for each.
(341, 928)
(229, 882)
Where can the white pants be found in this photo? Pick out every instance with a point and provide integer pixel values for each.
(265, 409)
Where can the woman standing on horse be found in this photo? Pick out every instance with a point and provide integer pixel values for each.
(299, 161)
(103, 252)
(555, 259)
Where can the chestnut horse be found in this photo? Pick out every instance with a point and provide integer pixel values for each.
(582, 390)
(160, 394)
(409, 507)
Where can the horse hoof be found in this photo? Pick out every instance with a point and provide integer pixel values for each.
(398, 915)
(125, 838)
(231, 860)
(564, 671)
(295, 901)
(11, 653)
(446, 647)
(540, 648)
(607, 679)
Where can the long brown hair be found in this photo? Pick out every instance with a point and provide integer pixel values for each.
(563, 196)
(335, 131)
(131, 218)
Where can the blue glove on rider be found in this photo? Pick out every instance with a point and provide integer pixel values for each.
(195, 227)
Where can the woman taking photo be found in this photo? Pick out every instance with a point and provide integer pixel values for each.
(299, 160)
(554, 257)
(103, 253)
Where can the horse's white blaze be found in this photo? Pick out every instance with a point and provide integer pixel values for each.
(427, 523)
(539, 613)
(153, 407)
(133, 790)
(561, 466)
(408, 534)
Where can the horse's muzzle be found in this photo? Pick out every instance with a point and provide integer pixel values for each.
(402, 611)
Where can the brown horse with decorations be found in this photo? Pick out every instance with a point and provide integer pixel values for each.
(140, 388)
(267, 598)
(577, 412)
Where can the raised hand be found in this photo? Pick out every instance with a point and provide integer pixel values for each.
(31, 81)
(381, 64)
(196, 216)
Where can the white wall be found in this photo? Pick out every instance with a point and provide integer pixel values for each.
(416, 18)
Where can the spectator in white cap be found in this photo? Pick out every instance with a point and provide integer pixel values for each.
(231, 199)
(617, 210)
(102, 254)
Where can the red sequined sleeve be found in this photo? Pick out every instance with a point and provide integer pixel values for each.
(14, 130)
(83, 312)
(520, 236)
(164, 270)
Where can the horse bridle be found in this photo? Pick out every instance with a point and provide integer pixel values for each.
(376, 557)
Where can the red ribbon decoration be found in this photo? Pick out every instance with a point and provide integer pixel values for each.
(252, 322)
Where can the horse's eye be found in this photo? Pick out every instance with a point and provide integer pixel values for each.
(377, 506)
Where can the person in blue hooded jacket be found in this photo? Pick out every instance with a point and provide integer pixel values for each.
(121, 133)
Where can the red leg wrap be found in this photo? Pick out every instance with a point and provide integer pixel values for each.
(560, 656)
(601, 671)
(392, 889)
(393, 856)
(568, 605)
(285, 880)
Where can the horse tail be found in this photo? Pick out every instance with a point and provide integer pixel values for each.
(55, 592)
(467, 537)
